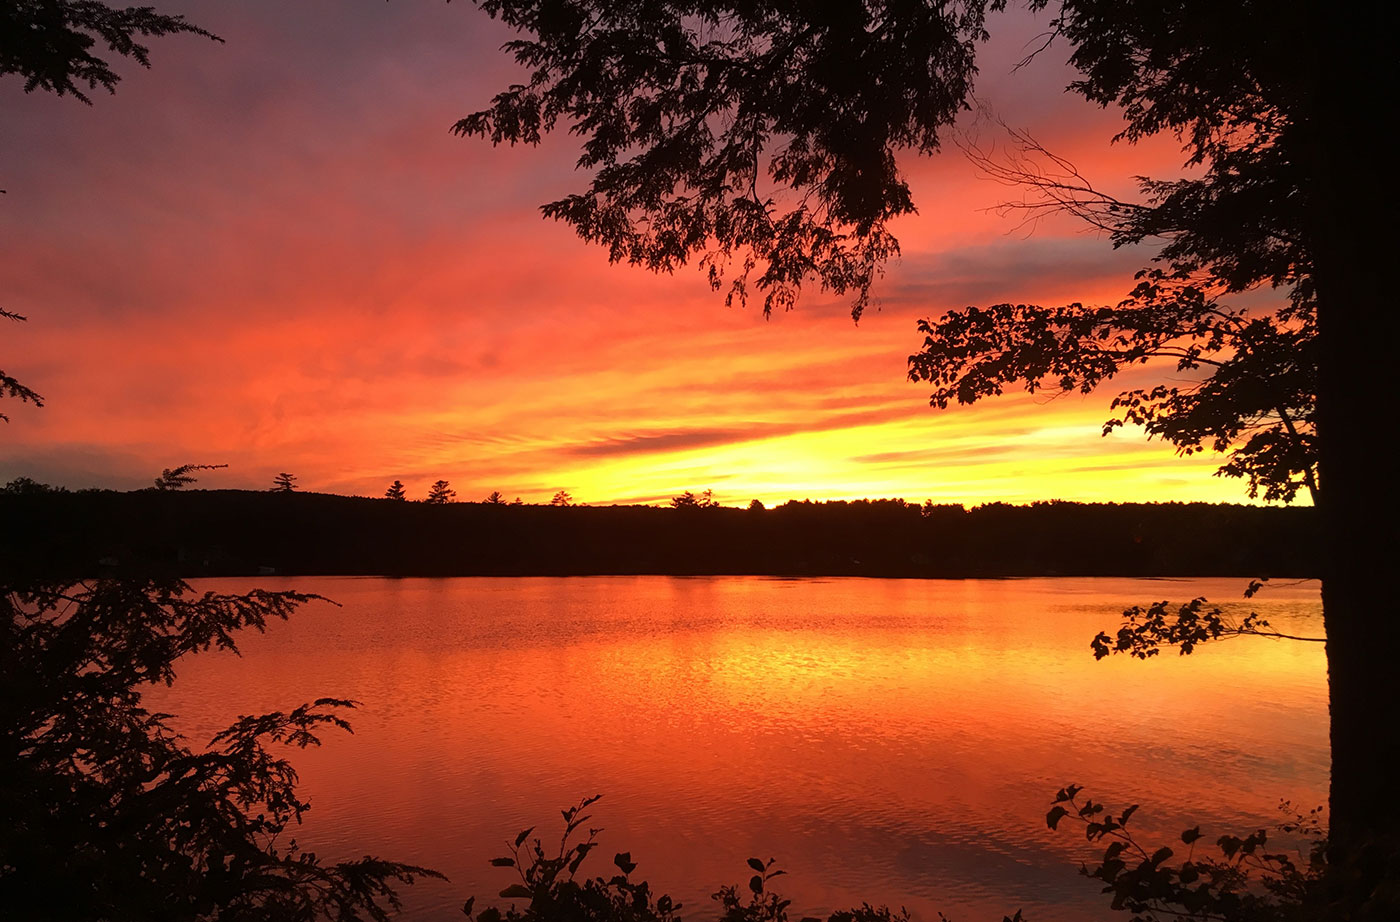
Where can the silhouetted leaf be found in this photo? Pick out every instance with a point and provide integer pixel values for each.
(516, 891)
(523, 835)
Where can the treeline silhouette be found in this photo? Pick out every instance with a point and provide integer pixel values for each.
(235, 532)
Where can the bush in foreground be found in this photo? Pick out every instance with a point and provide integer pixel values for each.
(107, 814)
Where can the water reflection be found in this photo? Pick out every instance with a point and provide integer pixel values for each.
(888, 740)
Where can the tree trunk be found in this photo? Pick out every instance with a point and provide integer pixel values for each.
(1359, 603)
(1356, 366)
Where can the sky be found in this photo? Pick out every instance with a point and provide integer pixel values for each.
(272, 253)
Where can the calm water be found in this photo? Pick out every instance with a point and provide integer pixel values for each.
(895, 741)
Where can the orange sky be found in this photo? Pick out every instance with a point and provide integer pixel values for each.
(271, 253)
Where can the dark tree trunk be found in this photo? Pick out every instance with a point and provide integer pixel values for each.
(1358, 594)
(1350, 183)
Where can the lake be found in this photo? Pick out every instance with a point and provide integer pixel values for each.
(890, 741)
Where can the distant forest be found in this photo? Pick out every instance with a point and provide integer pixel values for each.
(235, 532)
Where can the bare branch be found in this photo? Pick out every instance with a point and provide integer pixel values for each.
(1051, 183)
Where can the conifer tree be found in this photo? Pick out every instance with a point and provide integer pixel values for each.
(440, 493)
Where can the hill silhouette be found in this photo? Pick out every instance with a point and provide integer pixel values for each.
(234, 532)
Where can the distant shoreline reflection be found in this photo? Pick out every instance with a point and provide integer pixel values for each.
(890, 741)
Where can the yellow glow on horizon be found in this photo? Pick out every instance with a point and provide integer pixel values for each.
(1057, 461)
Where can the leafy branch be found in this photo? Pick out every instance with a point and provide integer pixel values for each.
(1244, 882)
(109, 814)
(553, 891)
(722, 133)
(1145, 631)
(1257, 404)
(54, 44)
(10, 386)
(175, 478)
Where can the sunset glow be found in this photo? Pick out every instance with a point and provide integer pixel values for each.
(271, 253)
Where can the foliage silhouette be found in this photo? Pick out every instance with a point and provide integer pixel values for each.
(1244, 880)
(679, 103)
(108, 815)
(689, 500)
(1258, 403)
(553, 891)
(441, 492)
(176, 478)
(494, 498)
(396, 491)
(562, 498)
(284, 483)
(28, 486)
(10, 386)
(1145, 631)
(49, 43)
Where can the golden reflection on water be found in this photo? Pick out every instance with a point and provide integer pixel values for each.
(887, 740)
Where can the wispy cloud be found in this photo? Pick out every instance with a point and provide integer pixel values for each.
(667, 441)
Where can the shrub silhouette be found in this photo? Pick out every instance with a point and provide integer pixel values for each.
(108, 814)
(550, 884)
(1242, 879)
